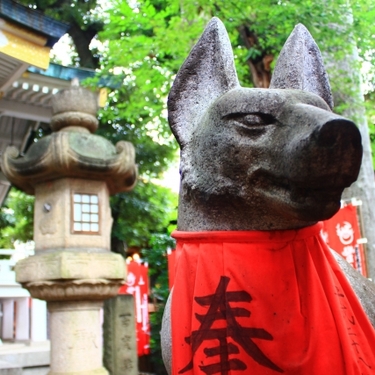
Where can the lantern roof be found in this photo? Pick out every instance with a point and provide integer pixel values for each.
(72, 150)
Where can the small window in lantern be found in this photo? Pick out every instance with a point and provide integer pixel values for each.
(85, 213)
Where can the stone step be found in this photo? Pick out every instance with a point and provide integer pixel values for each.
(7, 368)
(25, 359)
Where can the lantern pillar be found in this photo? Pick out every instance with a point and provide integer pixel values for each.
(72, 174)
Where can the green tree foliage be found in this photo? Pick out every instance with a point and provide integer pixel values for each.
(141, 214)
(16, 219)
(149, 207)
(163, 31)
(146, 41)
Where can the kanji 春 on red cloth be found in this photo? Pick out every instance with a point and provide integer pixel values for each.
(342, 232)
(137, 285)
(264, 303)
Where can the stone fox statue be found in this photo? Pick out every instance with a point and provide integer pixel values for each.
(257, 291)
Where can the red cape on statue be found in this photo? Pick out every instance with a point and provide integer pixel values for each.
(264, 303)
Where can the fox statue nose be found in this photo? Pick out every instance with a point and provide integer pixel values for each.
(338, 132)
(327, 144)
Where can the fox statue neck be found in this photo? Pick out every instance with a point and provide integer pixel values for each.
(197, 214)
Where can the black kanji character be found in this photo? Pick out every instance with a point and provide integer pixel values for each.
(220, 309)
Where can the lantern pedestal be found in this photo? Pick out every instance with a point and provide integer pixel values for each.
(75, 285)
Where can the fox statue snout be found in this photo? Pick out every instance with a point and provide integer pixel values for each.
(329, 140)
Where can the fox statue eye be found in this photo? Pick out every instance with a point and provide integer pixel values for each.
(251, 119)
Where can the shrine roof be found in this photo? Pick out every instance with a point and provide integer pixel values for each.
(33, 20)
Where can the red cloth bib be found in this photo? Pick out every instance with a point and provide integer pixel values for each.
(262, 303)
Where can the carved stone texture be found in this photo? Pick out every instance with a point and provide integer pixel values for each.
(72, 154)
(70, 276)
(72, 151)
(166, 336)
(54, 216)
(74, 290)
(364, 289)
(63, 120)
(259, 158)
(305, 70)
(189, 96)
(119, 334)
(75, 331)
(65, 265)
(74, 107)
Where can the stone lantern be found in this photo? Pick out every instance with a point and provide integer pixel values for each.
(72, 173)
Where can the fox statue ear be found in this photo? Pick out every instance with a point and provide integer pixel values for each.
(206, 74)
(300, 66)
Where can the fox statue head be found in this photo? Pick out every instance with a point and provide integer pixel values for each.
(261, 159)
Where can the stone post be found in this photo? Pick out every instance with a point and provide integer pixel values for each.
(120, 341)
(72, 173)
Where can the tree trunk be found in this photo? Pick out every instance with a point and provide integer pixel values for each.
(82, 39)
(260, 65)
